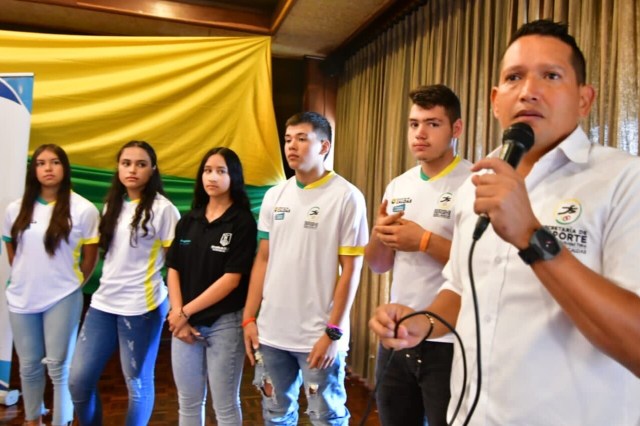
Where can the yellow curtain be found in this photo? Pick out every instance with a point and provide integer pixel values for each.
(459, 43)
(183, 95)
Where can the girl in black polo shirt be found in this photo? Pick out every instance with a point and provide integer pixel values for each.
(209, 263)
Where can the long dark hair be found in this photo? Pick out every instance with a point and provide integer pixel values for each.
(236, 188)
(60, 223)
(115, 199)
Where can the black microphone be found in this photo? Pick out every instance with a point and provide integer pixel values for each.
(516, 141)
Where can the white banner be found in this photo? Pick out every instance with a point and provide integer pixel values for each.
(16, 96)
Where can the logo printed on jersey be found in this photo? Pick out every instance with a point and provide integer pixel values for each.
(313, 215)
(568, 211)
(185, 242)
(404, 200)
(278, 212)
(225, 239)
(445, 204)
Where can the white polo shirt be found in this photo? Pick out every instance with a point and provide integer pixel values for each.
(38, 280)
(307, 227)
(131, 282)
(430, 202)
(538, 369)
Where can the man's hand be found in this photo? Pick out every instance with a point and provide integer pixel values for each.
(383, 218)
(251, 343)
(323, 353)
(410, 333)
(503, 196)
(402, 235)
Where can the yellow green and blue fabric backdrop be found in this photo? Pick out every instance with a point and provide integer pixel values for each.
(184, 95)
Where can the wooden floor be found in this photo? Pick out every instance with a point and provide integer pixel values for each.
(114, 397)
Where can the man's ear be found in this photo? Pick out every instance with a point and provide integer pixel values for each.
(587, 96)
(457, 128)
(326, 146)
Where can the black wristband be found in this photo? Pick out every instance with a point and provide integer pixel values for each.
(334, 333)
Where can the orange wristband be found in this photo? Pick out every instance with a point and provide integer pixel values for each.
(424, 241)
(248, 321)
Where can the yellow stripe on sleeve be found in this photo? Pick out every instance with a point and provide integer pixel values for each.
(151, 267)
(351, 251)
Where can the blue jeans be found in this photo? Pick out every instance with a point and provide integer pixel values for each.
(47, 338)
(220, 356)
(279, 375)
(138, 337)
(415, 389)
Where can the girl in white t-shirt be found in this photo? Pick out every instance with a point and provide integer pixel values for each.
(47, 232)
(129, 307)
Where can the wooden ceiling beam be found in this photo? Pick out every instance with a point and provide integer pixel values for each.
(282, 10)
(217, 17)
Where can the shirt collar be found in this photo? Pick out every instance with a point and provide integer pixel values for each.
(576, 146)
(326, 178)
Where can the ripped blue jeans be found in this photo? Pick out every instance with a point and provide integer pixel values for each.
(278, 376)
(47, 338)
(138, 338)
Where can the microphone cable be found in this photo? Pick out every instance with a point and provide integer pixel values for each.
(477, 323)
(430, 315)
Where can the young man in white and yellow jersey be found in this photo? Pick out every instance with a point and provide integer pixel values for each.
(312, 232)
(412, 237)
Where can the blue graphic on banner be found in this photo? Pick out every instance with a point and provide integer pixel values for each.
(5, 372)
(16, 100)
(18, 90)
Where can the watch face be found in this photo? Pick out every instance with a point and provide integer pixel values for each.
(547, 243)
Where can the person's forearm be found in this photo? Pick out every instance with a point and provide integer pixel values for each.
(446, 305)
(346, 288)
(173, 285)
(256, 282)
(439, 248)
(89, 261)
(217, 291)
(606, 314)
(378, 256)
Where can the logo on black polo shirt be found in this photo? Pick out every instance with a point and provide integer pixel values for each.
(313, 215)
(225, 240)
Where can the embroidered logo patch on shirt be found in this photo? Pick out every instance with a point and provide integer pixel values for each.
(312, 218)
(225, 239)
(568, 211)
(445, 203)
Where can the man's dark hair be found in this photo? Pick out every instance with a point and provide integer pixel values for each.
(428, 97)
(320, 125)
(559, 30)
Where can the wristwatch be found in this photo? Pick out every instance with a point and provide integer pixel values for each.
(334, 333)
(542, 246)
